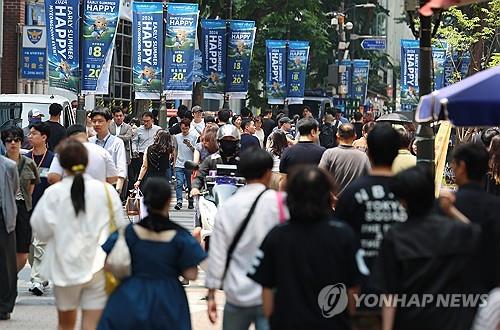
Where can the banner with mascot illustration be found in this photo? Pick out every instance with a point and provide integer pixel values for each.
(298, 55)
(100, 19)
(147, 49)
(62, 19)
(276, 87)
(181, 25)
(241, 36)
(213, 60)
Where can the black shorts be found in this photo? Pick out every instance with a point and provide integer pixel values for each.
(23, 228)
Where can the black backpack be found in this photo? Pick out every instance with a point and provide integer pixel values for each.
(328, 135)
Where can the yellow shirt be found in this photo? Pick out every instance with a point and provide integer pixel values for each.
(403, 160)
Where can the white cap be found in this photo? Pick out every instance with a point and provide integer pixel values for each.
(35, 113)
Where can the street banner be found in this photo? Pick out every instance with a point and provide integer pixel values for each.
(100, 19)
(276, 71)
(410, 51)
(345, 76)
(438, 59)
(181, 24)
(241, 37)
(147, 49)
(213, 58)
(34, 53)
(62, 18)
(298, 54)
(441, 149)
(359, 82)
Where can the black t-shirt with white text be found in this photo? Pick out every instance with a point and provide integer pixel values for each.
(370, 208)
(299, 260)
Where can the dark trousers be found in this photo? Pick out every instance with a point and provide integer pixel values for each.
(134, 169)
(8, 270)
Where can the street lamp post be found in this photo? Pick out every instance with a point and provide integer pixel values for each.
(425, 133)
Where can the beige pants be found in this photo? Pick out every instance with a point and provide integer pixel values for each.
(35, 258)
(275, 180)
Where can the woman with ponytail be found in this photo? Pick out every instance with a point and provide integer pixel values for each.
(160, 251)
(73, 217)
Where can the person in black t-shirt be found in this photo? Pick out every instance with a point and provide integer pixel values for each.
(470, 165)
(57, 131)
(308, 286)
(358, 124)
(427, 256)
(247, 138)
(367, 204)
(267, 124)
(306, 151)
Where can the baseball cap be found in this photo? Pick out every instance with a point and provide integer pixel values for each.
(196, 108)
(285, 120)
(35, 113)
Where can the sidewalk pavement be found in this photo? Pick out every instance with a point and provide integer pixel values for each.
(39, 313)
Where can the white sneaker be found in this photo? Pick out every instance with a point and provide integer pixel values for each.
(36, 288)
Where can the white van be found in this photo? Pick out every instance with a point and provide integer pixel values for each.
(14, 109)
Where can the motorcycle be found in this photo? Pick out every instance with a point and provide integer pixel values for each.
(220, 184)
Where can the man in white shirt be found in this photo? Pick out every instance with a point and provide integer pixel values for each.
(243, 296)
(101, 118)
(101, 165)
(123, 131)
(184, 151)
(198, 124)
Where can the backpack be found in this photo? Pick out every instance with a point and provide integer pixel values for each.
(328, 135)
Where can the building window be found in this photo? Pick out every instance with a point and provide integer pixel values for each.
(120, 88)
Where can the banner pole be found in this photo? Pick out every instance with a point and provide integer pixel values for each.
(80, 111)
(162, 112)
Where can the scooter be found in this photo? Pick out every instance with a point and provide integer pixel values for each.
(220, 184)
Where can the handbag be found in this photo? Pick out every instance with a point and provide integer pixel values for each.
(281, 207)
(133, 204)
(118, 260)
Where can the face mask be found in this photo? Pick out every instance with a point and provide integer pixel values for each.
(35, 120)
(228, 148)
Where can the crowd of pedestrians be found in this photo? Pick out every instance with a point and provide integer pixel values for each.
(334, 202)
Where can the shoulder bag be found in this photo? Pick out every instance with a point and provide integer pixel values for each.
(238, 235)
(118, 263)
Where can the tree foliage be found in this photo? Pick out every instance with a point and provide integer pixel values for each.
(475, 30)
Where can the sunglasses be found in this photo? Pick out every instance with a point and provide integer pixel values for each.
(9, 140)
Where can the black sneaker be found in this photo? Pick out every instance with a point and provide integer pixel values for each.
(4, 316)
(178, 206)
(190, 205)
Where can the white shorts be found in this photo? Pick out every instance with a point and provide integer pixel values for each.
(88, 296)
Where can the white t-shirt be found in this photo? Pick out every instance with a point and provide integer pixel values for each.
(100, 166)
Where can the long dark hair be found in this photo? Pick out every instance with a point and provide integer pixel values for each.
(157, 194)
(278, 143)
(310, 194)
(162, 146)
(494, 163)
(73, 157)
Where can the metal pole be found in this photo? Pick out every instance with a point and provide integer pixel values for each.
(425, 133)
(80, 111)
(162, 112)
(229, 15)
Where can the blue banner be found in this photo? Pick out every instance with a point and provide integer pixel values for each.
(182, 21)
(298, 54)
(276, 71)
(147, 49)
(62, 18)
(438, 60)
(213, 58)
(345, 76)
(100, 19)
(33, 63)
(240, 47)
(359, 82)
(410, 51)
